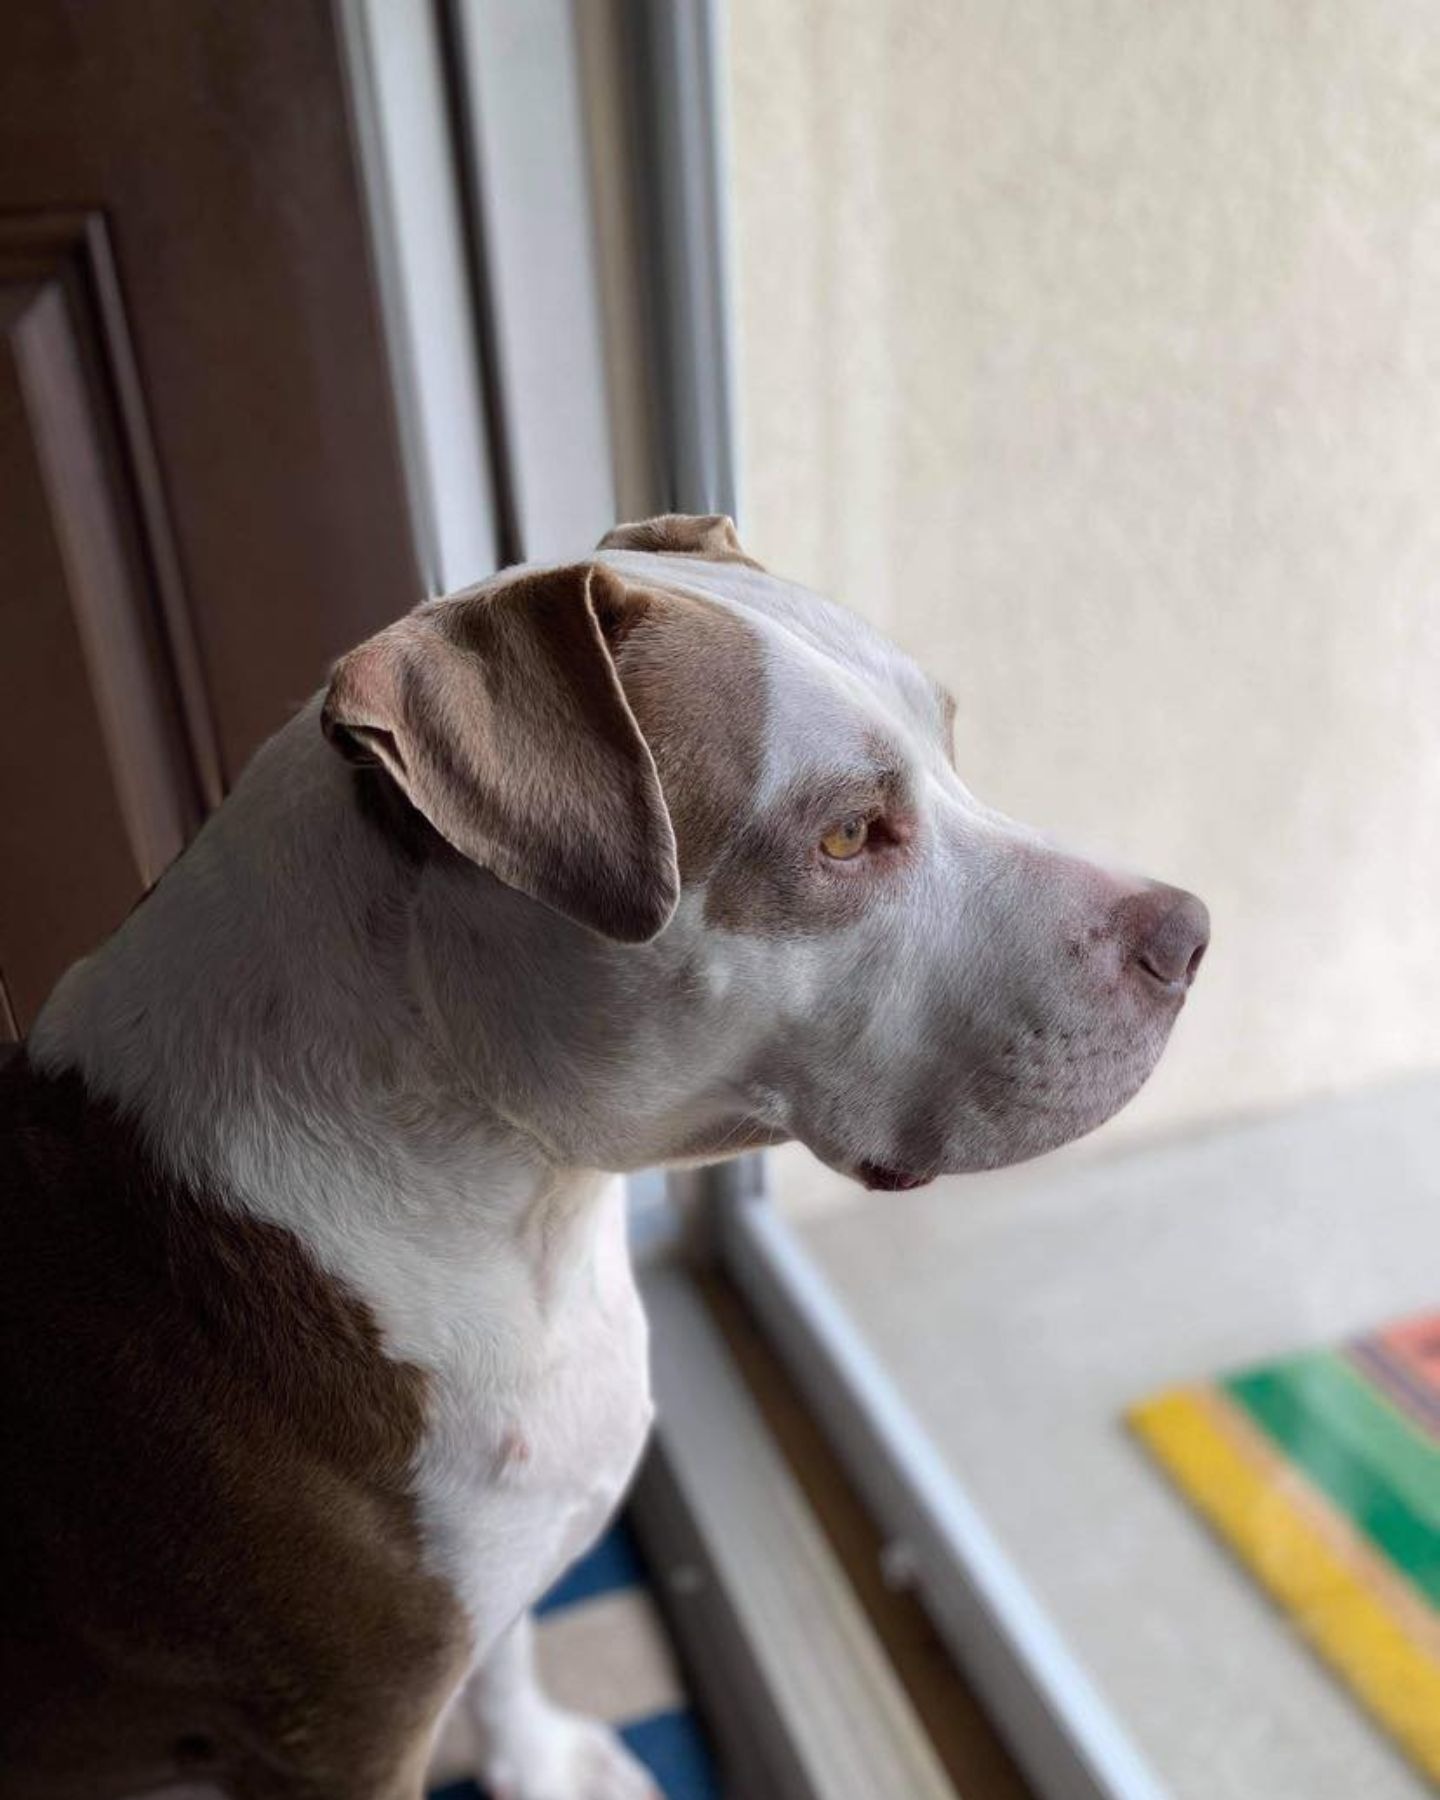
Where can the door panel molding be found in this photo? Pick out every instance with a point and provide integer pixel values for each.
(90, 420)
(107, 760)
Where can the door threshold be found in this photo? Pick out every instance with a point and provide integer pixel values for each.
(803, 1701)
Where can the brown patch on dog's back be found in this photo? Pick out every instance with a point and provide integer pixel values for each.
(694, 676)
(208, 1547)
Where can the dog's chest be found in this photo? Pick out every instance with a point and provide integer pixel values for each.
(533, 1434)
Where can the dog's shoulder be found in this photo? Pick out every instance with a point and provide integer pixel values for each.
(212, 1417)
(229, 1316)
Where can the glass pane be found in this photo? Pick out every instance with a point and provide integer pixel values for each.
(1091, 352)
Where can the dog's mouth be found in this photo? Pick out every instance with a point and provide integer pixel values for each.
(881, 1179)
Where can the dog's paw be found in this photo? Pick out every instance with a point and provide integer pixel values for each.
(571, 1759)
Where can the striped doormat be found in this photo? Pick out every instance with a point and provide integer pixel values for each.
(1322, 1472)
(603, 1650)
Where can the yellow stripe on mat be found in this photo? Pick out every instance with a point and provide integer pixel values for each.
(1305, 1569)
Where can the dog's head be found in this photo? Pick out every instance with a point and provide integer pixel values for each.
(827, 936)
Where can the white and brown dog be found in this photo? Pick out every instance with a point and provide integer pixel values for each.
(321, 1354)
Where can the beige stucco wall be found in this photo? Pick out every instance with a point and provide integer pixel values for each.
(1092, 347)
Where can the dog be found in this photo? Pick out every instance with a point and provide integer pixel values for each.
(321, 1353)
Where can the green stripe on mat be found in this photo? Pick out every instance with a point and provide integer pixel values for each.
(1337, 1396)
(1289, 1402)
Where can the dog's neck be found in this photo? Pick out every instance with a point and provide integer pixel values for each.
(274, 1017)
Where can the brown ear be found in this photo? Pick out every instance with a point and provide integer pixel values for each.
(501, 717)
(712, 537)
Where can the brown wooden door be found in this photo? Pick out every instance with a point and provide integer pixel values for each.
(201, 496)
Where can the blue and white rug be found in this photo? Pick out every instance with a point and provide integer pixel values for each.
(603, 1650)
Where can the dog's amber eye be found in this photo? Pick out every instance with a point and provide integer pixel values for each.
(846, 839)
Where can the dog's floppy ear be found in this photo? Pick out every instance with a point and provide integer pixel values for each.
(712, 537)
(501, 717)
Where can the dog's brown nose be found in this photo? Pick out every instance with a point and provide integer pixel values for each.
(1167, 931)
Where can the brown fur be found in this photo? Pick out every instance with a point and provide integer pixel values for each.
(774, 881)
(694, 675)
(209, 1562)
(712, 537)
(500, 715)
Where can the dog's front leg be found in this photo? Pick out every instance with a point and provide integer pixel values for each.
(530, 1749)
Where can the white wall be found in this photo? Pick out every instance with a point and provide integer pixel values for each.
(1092, 347)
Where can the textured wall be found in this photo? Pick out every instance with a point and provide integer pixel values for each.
(1093, 349)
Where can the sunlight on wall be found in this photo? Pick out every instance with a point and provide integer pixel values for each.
(1093, 350)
